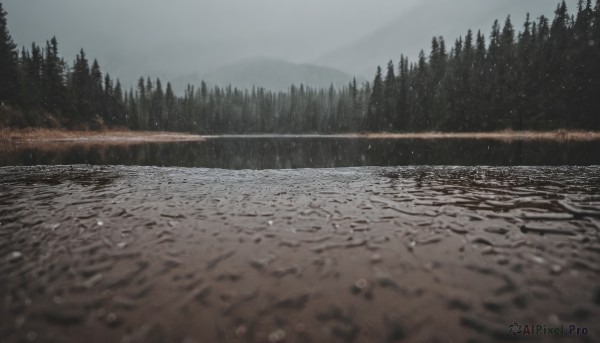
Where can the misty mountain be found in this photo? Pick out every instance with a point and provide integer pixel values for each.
(271, 74)
(171, 38)
(413, 30)
(196, 37)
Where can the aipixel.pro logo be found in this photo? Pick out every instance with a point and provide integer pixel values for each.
(546, 330)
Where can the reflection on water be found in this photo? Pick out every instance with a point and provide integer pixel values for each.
(289, 153)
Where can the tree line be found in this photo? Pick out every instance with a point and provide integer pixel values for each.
(546, 76)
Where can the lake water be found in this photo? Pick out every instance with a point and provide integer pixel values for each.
(312, 152)
(419, 254)
(390, 252)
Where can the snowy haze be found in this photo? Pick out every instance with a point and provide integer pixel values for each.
(172, 39)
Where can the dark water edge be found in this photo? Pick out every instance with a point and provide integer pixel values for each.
(292, 153)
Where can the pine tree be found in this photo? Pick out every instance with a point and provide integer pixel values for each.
(357, 110)
(557, 65)
(9, 61)
(96, 90)
(109, 115)
(593, 117)
(35, 73)
(526, 84)
(421, 120)
(468, 78)
(375, 112)
(580, 85)
(505, 111)
(119, 105)
(402, 119)
(80, 89)
(133, 121)
(156, 117)
(30, 82)
(142, 105)
(149, 87)
(455, 116)
(54, 92)
(438, 64)
(390, 93)
(172, 123)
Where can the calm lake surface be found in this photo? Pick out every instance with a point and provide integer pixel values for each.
(312, 152)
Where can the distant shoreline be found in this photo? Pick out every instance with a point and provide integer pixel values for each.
(124, 137)
(118, 137)
(561, 135)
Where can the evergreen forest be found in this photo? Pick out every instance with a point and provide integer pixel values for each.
(541, 75)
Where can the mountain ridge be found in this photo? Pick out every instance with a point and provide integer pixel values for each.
(269, 73)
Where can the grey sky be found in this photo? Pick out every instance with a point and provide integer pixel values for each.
(171, 38)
